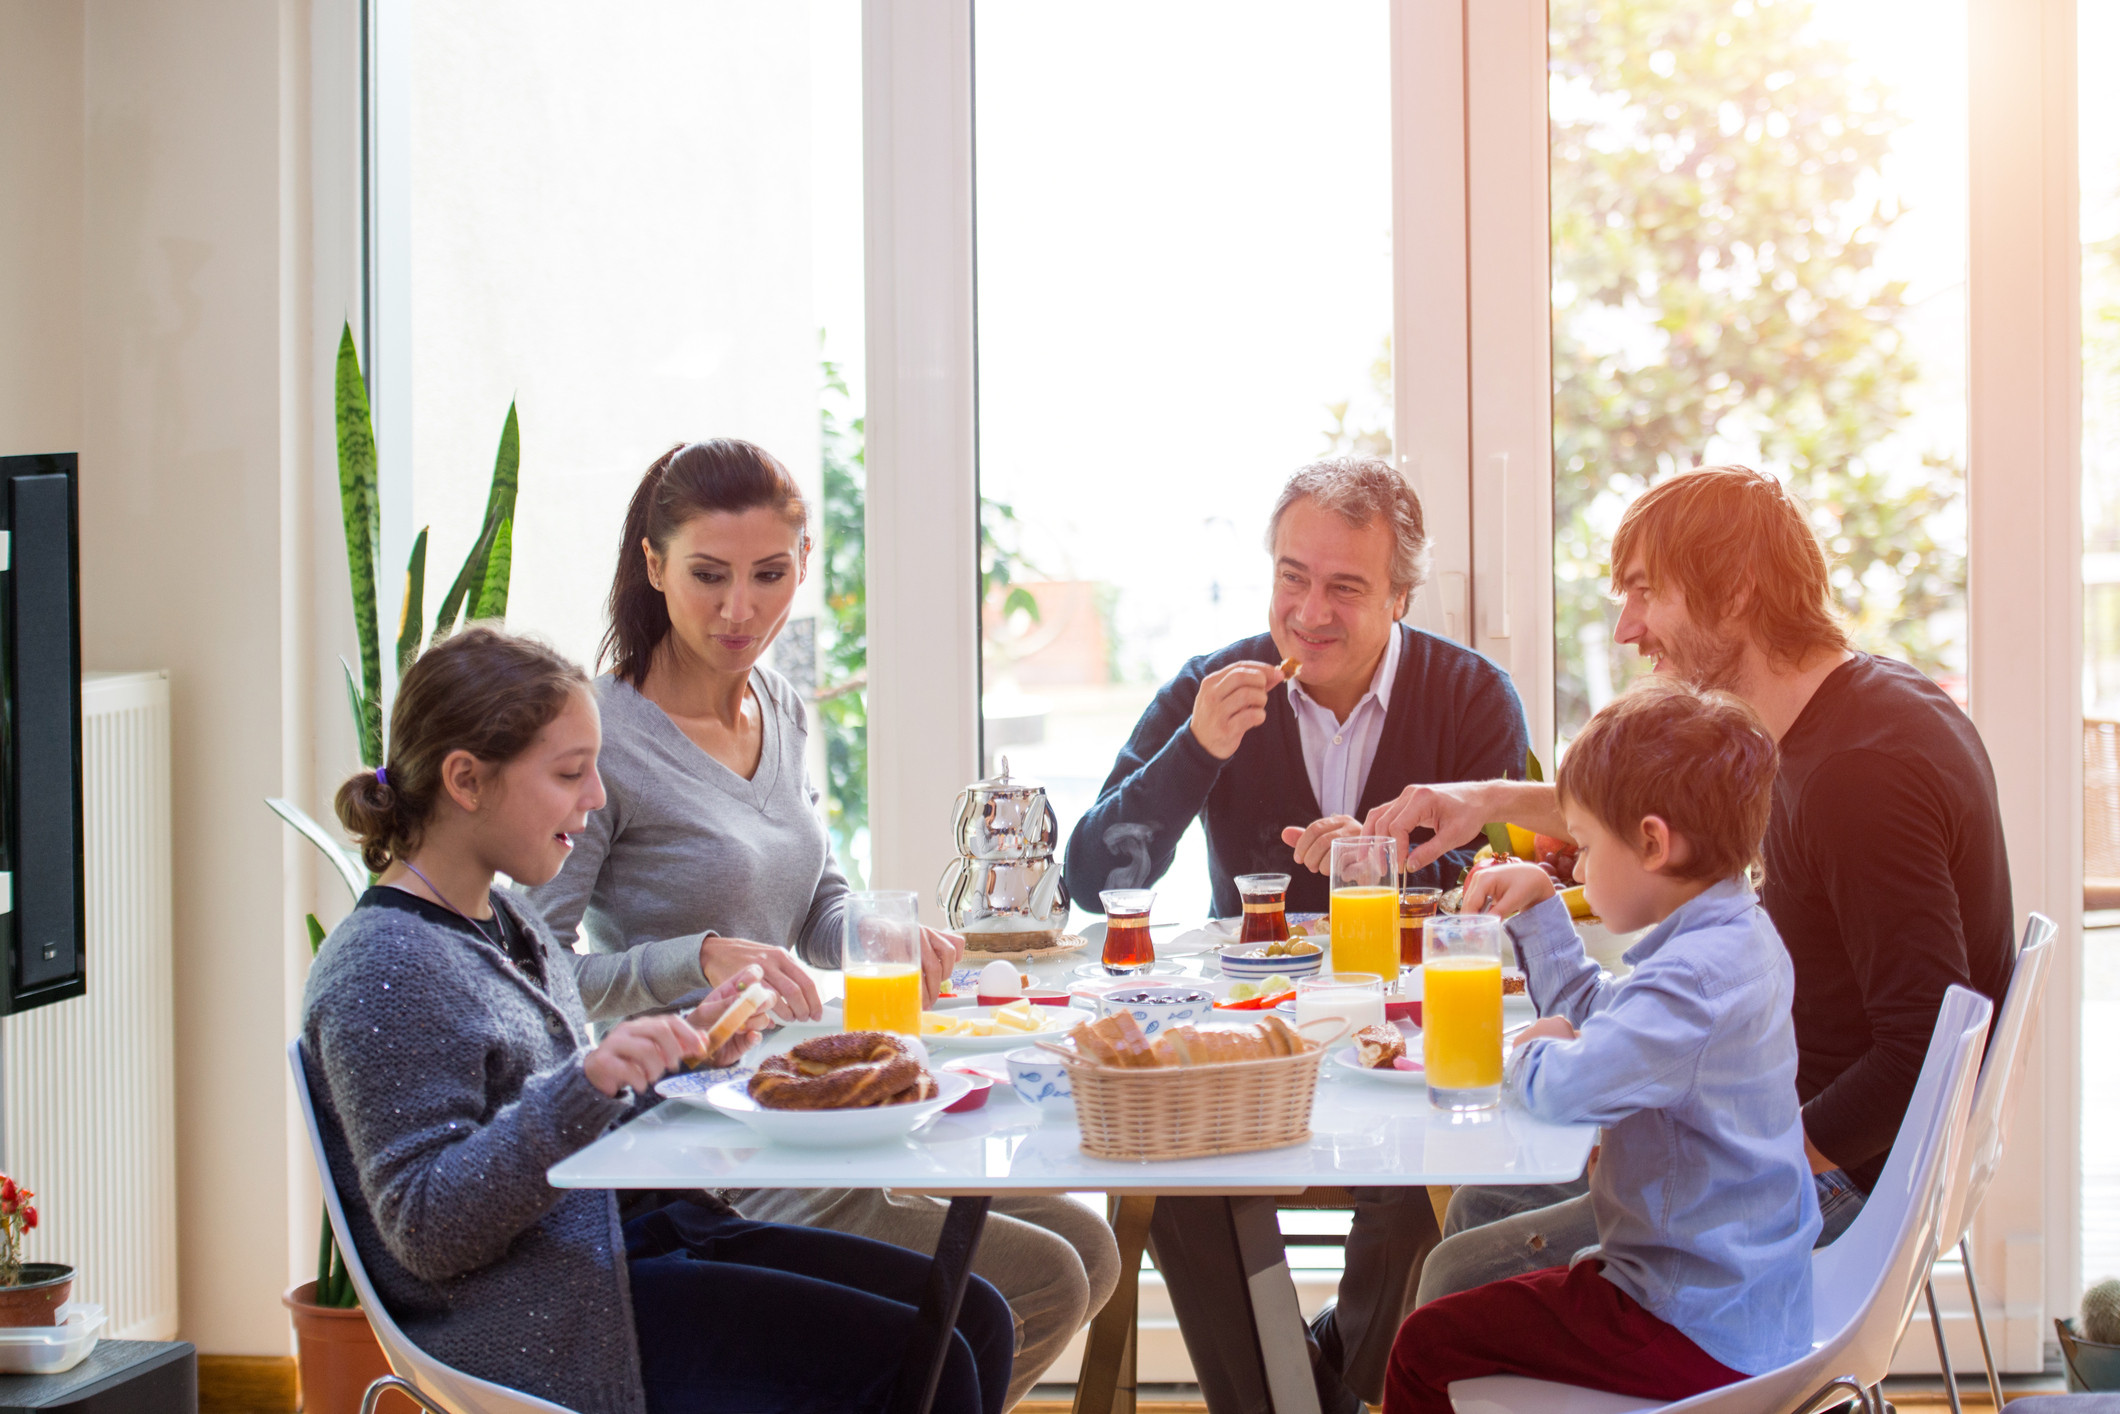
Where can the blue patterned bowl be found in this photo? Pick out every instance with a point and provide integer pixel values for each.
(1177, 1004)
(1249, 964)
(1038, 1076)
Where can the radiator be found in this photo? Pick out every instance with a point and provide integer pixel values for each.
(86, 1090)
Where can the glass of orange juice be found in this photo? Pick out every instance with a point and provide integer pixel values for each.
(1365, 905)
(1461, 1010)
(882, 962)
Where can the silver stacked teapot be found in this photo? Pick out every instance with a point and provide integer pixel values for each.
(1003, 891)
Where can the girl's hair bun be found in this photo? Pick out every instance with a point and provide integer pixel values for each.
(480, 690)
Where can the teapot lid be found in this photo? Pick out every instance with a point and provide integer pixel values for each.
(1005, 784)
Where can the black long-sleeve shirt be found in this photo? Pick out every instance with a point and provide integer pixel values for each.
(1888, 880)
(1454, 716)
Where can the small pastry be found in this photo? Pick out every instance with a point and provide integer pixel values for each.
(1376, 1047)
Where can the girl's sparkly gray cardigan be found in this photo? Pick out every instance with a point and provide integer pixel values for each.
(446, 1084)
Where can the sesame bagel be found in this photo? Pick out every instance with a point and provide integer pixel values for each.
(849, 1070)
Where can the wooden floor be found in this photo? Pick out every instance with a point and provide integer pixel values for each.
(1907, 1395)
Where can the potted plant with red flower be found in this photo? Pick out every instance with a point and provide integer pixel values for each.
(30, 1292)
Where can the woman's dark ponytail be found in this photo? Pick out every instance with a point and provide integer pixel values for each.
(692, 478)
(479, 690)
(637, 611)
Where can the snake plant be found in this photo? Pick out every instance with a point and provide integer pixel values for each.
(479, 591)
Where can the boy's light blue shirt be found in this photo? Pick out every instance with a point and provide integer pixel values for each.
(1705, 1206)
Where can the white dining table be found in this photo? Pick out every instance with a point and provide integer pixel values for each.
(1365, 1132)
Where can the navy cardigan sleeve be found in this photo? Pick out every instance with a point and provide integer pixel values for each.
(1491, 743)
(1156, 789)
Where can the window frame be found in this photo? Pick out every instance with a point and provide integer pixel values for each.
(1471, 310)
(2022, 483)
(1471, 304)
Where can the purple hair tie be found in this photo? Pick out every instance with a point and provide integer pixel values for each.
(380, 778)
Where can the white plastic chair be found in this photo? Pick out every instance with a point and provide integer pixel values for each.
(1982, 1151)
(1863, 1287)
(435, 1387)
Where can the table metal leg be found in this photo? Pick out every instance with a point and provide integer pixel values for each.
(936, 1322)
(1106, 1383)
(1276, 1319)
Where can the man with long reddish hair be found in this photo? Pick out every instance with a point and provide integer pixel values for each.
(1886, 874)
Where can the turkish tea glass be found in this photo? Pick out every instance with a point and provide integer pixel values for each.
(1265, 907)
(1416, 907)
(1127, 948)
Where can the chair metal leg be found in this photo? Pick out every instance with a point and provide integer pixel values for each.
(1943, 1353)
(1822, 1397)
(1987, 1353)
(402, 1386)
(936, 1323)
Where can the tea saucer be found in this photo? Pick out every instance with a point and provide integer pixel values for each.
(1159, 968)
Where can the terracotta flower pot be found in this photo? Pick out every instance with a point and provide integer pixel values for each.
(36, 1298)
(336, 1353)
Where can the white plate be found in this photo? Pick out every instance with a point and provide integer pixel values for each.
(1156, 969)
(1057, 1018)
(1345, 1058)
(1193, 942)
(833, 1129)
(692, 1086)
(839, 1004)
(1516, 1009)
(792, 1031)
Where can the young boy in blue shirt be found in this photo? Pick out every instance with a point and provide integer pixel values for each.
(1703, 1195)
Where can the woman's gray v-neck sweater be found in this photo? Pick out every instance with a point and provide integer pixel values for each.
(685, 847)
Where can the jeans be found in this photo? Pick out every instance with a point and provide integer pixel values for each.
(1566, 1325)
(1839, 1201)
(1053, 1260)
(1493, 1232)
(1195, 1249)
(741, 1317)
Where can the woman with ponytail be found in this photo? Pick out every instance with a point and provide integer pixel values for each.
(711, 854)
(450, 1061)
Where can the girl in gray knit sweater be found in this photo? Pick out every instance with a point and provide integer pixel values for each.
(451, 1066)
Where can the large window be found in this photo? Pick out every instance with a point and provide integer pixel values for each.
(1759, 256)
(1184, 293)
(642, 226)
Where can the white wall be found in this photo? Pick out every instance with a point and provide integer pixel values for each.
(155, 316)
(40, 236)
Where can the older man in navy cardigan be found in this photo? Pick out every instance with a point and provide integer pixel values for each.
(1276, 773)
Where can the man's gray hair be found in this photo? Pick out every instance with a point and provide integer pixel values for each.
(1359, 490)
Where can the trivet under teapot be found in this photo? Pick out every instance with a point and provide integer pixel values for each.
(1009, 947)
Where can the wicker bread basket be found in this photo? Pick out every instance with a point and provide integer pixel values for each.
(1192, 1111)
